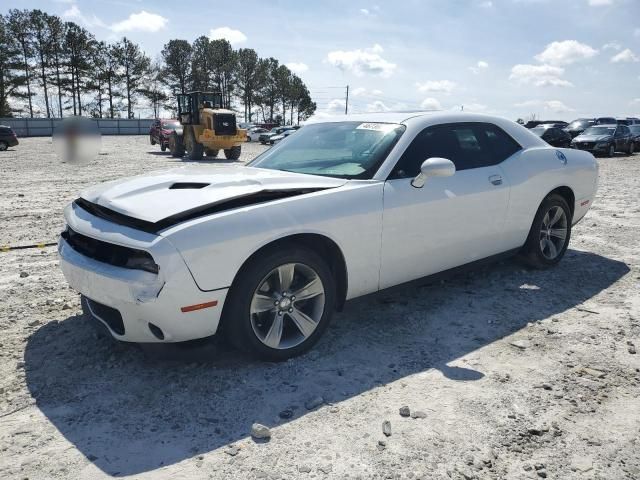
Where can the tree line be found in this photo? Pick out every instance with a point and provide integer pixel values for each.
(52, 68)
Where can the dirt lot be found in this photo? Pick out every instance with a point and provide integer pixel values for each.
(517, 373)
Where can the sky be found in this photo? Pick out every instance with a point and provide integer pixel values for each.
(556, 59)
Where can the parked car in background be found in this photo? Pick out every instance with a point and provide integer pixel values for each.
(264, 137)
(578, 126)
(7, 138)
(161, 130)
(605, 121)
(635, 135)
(268, 251)
(253, 134)
(277, 138)
(554, 136)
(605, 139)
(628, 121)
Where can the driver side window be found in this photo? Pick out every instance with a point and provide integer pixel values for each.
(467, 145)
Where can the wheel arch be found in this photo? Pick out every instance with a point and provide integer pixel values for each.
(566, 193)
(321, 244)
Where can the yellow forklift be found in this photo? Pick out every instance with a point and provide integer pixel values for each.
(206, 128)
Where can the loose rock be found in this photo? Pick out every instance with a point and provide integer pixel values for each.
(314, 403)
(259, 431)
(405, 411)
(386, 428)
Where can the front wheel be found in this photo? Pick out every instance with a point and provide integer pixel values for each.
(176, 146)
(151, 140)
(550, 233)
(280, 304)
(163, 147)
(233, 153)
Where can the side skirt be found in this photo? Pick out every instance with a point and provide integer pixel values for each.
(445, 274)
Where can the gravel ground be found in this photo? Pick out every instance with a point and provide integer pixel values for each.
(507, 373)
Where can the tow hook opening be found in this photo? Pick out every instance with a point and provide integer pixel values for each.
(156, 331)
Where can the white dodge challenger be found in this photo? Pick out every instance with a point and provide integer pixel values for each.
(345, 207)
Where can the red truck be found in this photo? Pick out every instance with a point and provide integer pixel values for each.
(160, 131)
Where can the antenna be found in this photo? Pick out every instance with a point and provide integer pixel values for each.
(346, 102)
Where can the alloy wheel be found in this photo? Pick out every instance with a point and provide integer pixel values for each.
(553, 232)
(287, 306)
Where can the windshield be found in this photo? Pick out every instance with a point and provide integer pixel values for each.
(538, 131)
(342, 149)
(635, 129)
(599, 131)
(170, 125)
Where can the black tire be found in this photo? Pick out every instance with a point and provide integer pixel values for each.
(193, 148)
(612, 150)
(3, 146)
(632, 148)
(163, 147)
(176, 145)
(210, 152)
(236, 317)
(233, 153)
(151, 140)
(533, 252)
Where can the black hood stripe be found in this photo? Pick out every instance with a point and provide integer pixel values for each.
(256, 198)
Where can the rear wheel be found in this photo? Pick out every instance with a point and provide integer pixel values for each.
(210, 152)
(3, 146)
(280, 303)
(151, 140)
(233, 153)
(193, 148)
(550, 233)
(612, 150)
(163, 147)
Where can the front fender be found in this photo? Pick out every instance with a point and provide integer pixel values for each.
(215, 247)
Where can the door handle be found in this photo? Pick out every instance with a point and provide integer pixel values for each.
(496, 179)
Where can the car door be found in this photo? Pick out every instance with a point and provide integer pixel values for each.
(450, 221)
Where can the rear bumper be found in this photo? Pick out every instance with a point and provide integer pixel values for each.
(145, 301)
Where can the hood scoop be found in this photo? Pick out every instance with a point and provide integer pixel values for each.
(188, 186)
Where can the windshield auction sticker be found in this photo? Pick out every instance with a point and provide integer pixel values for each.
(378, 127)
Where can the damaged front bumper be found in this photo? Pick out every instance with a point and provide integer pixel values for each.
(136, 305)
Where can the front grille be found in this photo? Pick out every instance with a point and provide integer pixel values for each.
(586, 145)
(110, 253)
(225, 124)
(108, 315)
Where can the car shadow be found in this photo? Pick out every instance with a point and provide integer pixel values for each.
(110, 399)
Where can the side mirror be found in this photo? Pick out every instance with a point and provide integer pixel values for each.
(433, 167)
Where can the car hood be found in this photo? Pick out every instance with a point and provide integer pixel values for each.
(593, 138)
(162, 195)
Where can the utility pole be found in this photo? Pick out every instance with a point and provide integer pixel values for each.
(346, 102)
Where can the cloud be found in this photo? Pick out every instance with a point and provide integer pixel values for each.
(141, 22)
(73, 13)
(362, 62)
(626, 56)
(365, 11)
(486, 4)
(474, 107)
(233, 36)
(481, 65)
(600, 3)
(376, 92)
(377, 106)
(555, 106)
(356, 92)
(336, 105)
(565, 53)
(436, 86)
(612, 46)
(539, 75)
(430, 104)
(635, 101)
(297, 67)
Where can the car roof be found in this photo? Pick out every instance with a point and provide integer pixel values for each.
(610, 125)
(382, 117)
